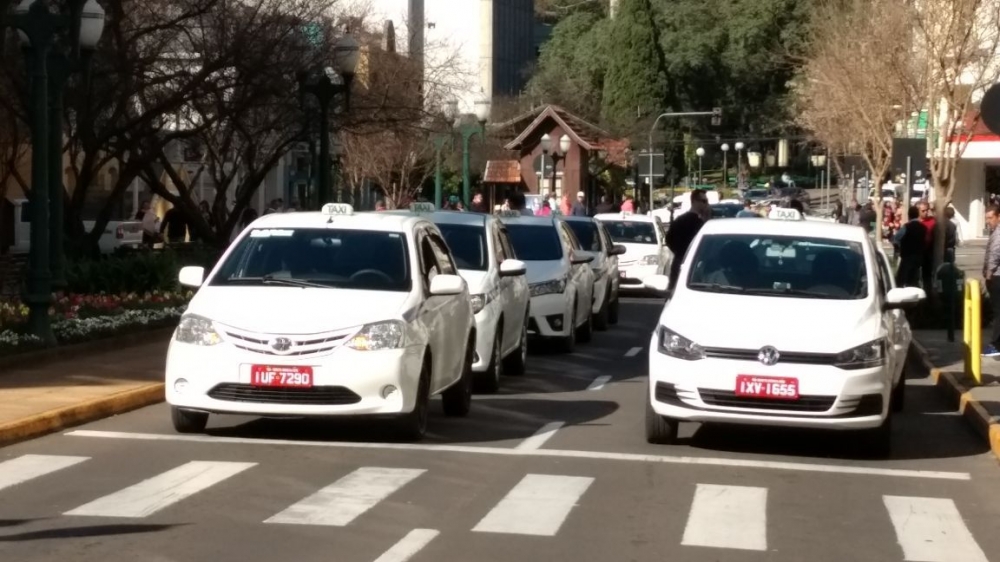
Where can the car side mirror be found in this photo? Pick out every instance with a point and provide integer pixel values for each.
(581, 257)
(512, 268)
(617, 250)
(446, 285)
(191, 276)
(903, 298)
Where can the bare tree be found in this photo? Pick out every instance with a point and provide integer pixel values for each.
(398, 161)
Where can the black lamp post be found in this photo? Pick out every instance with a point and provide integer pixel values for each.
(556, 156)
(325, 85)
(46, 34)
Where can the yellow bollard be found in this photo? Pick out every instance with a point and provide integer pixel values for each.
(973, 330)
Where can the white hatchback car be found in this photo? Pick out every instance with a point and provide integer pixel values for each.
(594, 238)
(325, 314)
(645, 243)
(803, 333)
(559, 277)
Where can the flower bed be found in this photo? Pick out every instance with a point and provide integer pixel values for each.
(80, 318)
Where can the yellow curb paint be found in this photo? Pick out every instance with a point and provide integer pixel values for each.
(995, 439)
(60, 418)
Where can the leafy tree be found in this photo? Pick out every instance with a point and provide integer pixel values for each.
(636, 82)
(573, 64)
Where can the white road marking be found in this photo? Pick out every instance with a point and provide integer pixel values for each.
(162, 491)
(555, 453)
(932, 530)
(728, 517)
(599, 382)
(633, 352)
(412, 543)
(540, 437)
(29, 467)
(538, 505)
(346, 499)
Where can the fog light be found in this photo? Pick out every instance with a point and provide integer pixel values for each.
(388, 391)
(181, 385)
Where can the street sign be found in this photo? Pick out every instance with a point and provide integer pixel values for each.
(716, 112)
(989, 109)
(716, 121)
(642, 161)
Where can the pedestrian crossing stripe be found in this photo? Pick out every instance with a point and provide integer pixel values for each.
(720, 516)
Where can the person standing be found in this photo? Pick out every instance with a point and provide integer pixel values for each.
(605, 206)
(683, 229)
(991, 278)
(927, 270)
(911, 246)
(747, 210)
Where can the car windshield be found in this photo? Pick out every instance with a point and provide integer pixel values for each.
(468, 245)
(535, 242)
(782, 266)
(318, 257)
(586, 233)
(631, 232)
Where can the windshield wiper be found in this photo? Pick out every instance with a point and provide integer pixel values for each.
(286, 281)
(717, 287)
(793, 292)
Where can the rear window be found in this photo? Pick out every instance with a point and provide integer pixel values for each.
(535, 242)
(631, 232)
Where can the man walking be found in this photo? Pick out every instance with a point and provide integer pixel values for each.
(683, 229)
(911, 246)
(991, 277)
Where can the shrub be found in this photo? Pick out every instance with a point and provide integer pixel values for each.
(136, 271)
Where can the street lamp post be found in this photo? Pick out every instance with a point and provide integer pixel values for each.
(701, 154)
(325, 85)
(725, 165)
(468, 129)
(564, 144)
(439, 142)
(739, 164)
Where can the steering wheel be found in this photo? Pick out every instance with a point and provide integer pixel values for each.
(373, 272)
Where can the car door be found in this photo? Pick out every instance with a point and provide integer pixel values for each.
(612, 261)
(581, 275)
(431, 314)
(454, 311)
(505, 285)
(899, 334)
(517, 307)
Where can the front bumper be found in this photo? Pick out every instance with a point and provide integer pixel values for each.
(345, 382)
(550, 316)
(704, 391)
(631, 278)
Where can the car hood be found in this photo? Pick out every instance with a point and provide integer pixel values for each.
(294, 310)
(788, 324)
(539, 271)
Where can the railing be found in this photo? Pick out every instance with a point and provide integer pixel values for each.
(972, 332)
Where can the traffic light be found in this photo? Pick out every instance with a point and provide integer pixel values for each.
(716, 116)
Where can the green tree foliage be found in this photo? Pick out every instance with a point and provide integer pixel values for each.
(636, 82)
(572, 65)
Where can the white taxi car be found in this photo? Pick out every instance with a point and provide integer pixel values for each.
(594, 238)
(559, 277)
(324, 314)
(781, 322)
(645, 243)
(499, 289)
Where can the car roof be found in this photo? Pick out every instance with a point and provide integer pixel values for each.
(623, 217)
(576, 218)
(530, 220)
(766, 226)
(447, 217)
(373, 220)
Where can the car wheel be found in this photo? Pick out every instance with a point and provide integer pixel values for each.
(457, 400)
(601, 318)
(413, 426)
(660, 430)
(613, 312)
(517, 362)
(586, 332)
(567, 343)
(489, 382)
(876, 443)
(187, 421)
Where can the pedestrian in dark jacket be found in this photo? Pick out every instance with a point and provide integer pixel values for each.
(911, 246)
(683, 229)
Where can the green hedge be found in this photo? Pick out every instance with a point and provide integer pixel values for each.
(137, 271)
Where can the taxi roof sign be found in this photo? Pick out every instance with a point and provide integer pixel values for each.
(785, 214)
(331, 209)
(422, 207)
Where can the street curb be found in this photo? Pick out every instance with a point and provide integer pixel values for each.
(60, 418)
(954, 385)
(43, 357)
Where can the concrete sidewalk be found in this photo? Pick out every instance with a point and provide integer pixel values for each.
(36, 400)
(978, 403)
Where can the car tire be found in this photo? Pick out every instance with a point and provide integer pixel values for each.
(517, 362)
(413, 425)
(660, 430)
(613, 312)
(188, 421)
(876, 443)
(457, 399)
(567, 344)
(585, 332)
(489, 382)
(601, 319)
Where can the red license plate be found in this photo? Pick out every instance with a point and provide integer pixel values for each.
(776, 388)
(281, 375)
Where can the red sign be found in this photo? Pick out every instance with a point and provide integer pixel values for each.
(288, 376)
(776, 388)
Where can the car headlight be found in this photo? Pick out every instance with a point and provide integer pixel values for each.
(651, 259)
(865, 356)
(196, 330)
(379, 336)
(675, 345)
(554, 286)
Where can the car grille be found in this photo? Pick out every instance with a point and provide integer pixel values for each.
(314, 396)
(302, 345)
(786, 356)
(729, 399)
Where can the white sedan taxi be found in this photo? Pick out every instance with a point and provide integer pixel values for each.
(646, 253)
(325, 314)
(559, 277)
(780, 322)
(499, 289)
(594, 238)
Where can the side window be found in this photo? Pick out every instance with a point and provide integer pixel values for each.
(508, 249)
(605, 237)
(429, 266)
(501, 252)
(883, 275)
(441, 255)
(568, 237)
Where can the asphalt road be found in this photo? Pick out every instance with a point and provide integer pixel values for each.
(554, 468)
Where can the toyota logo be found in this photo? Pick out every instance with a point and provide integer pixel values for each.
(768, 355)
(281, 344)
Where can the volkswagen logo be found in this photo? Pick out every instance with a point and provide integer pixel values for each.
(280, 344)
(768, 355)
